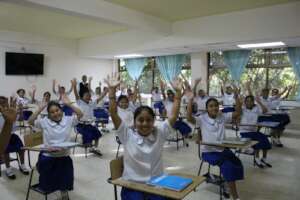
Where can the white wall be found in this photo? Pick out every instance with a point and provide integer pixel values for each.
(61, 63)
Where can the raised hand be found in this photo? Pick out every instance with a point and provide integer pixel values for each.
(177, 84)
(113, 81)
(162, 85)
(9, 113)
(90, 78)
(197, 81)
(65, 100)
(74, 82)
(189, 94)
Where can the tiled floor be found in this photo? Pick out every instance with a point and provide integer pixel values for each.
(278, 183)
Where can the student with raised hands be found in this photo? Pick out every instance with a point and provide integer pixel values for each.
(56, 167)
(61, 90)
(200, 97)
(90, 133)
(212, 125)
(143, 143)
(14, 145)
(9, 114)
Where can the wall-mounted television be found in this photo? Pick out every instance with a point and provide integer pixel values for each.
(24, 63)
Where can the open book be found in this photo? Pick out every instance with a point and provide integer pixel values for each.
(170, 182)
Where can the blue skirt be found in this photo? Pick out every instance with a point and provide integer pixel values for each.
(231, 167)
(15, 144)
(160, 106)
(263, 142)
(283, 120)
(88, 132)
(128, 194)
(228, 109)
(182, 127)
(56, 173)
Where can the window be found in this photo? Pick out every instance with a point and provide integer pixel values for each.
(266, 68)
(151, 76)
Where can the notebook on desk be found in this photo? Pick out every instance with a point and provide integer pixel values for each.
(235, 140)
(171, 182)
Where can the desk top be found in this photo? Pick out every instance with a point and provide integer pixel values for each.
(232, 146)
(197, 180)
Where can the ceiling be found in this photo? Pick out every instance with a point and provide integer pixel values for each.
(20, 18)
(175, 10)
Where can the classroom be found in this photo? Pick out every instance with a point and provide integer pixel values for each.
(149, 99)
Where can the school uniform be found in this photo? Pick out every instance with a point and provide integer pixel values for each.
(213, 130)
(126, 116)
(250, 116)
(142, 156)
(228, 103)
(24, 101)
(133, 106)
(15, 144)
(157, 102)
(283, 118)
(85, 127)
(56, 169)
(179, 125)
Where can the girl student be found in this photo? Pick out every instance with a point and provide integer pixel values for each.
(249, 116)
(156, 99)
(228, 99)
(212, 125)
(61, 90)
(143, 143)
(14, 145)
(180, 125)
(46, 99)
(85, 126)
(56, 168)
(9, 115)
(282, 118)
(134, 97)
(200, 97)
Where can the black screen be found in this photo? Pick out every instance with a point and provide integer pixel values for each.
(24, 63)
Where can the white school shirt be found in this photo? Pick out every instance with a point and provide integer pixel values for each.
(24, 101)
(267, 103)
(275, 102)
(56, 133)
(126, 116)
(201, 102)
(228, 99)
(212, 130)
(250, 117)
(156, 97)
(133, 106)
(168, 106)
(87, 109)
(143, 155)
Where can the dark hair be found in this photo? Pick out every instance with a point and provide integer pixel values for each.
(170, 91)
(275, 89)
(45, 93)
(19, 90)
(122, 97)
(140, 109)
(249, 97)
(209, 100)
(83, 91)
(265, 90)
(53, 103)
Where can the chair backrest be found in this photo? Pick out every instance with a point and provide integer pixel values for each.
(33, 139)
(67, 110)
(116, 168)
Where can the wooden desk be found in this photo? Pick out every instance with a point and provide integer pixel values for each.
(170, 194)
(232, 146)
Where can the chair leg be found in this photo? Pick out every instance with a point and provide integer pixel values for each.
(118, 151)
(177, 140)
(116, 192)
(46, 197)
(199, 171)
(29, 160)
(75, 141)
(221, 186)
(85, 150)
(29, 184)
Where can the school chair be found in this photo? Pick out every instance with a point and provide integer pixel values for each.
(23, 119)
(102, 117)
(32, 139)
(119, 144)
(36, 186)
(212, 178)
(116, 169)
(85, 146)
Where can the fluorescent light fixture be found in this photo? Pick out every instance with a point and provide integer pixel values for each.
(129, 56)
(259, 45)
